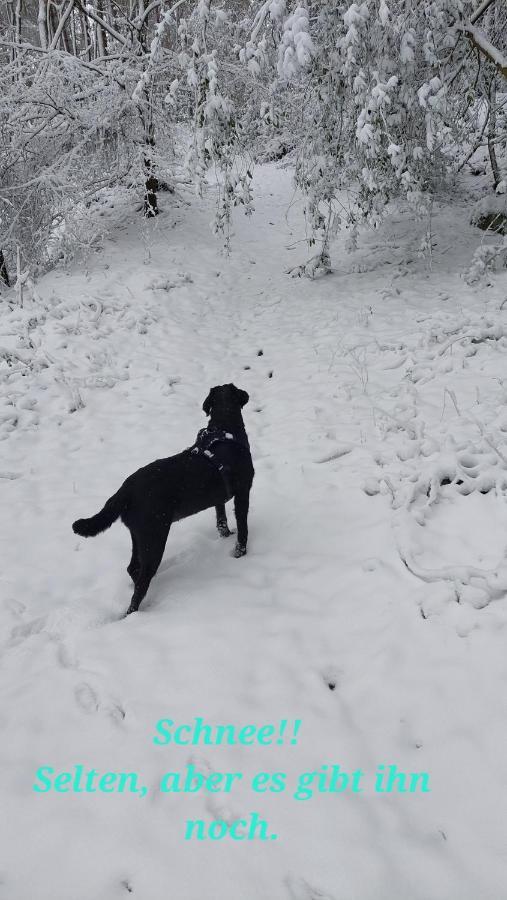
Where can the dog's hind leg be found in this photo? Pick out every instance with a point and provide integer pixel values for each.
(222, 526)
(133, 566)
(150, 557)
(241, 504)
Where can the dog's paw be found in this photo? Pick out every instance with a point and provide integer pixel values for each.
(130, 610)
(239, 550)
(224, 530)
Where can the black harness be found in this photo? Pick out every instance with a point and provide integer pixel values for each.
(206, 439)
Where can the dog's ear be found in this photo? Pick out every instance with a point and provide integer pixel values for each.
(242, 396)
(208, 403)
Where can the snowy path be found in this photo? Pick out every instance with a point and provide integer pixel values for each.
(322, 621)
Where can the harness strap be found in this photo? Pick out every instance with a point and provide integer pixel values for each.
(207, 439)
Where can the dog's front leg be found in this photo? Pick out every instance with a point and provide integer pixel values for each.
(222, 526)
(241, 503)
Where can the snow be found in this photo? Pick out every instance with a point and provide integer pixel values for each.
(296, 47)
(371, 604)
(480, 40)
(491, 205)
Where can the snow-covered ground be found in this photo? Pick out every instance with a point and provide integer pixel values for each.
(372, 604)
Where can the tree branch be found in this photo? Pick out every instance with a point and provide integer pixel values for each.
(61, 25)
(105, 25)
(480, 11)
(484, 46)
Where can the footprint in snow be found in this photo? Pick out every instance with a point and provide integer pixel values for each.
(115, 712)
(200, 764)
(220, 811)
(300, 889)
(217, 807)
(16, 607)
(65, 657)
(88, 700)
(21, 633)
(331, 676)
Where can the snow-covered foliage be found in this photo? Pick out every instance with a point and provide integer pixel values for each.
(392, 101)
(377, 115)
(66, 135)
(491, 213)
(217, 141)
(91, 101)
(377, 99)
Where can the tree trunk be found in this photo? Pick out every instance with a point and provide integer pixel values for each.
(110, 13)
(73, 32)
(151, 181)
(52, 23)
(85, 34)
(492, 135)
(101, 37)
(17, 22)
(43, 33)
(4, 275)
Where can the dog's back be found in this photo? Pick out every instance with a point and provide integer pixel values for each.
(182, 485)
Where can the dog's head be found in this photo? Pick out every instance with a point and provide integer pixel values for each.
(225, 398)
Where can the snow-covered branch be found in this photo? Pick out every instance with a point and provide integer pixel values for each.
(484, 46)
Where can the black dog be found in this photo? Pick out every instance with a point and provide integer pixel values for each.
(217, 468)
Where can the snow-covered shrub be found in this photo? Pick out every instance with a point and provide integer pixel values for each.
(376, 113)
(485, 260)
(490, 214)
(62, 139)
(92, 103)
(218, 141)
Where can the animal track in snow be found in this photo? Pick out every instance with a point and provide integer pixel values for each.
(220, 810)
(116, 712)
(217, 807)
(16, 607)
(331, 676)
(89, 701)
(65, 657)
(300, 889)
(22, 632)
(86, 698)
(201, 765)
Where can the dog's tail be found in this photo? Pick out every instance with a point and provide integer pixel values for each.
(103, 519)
